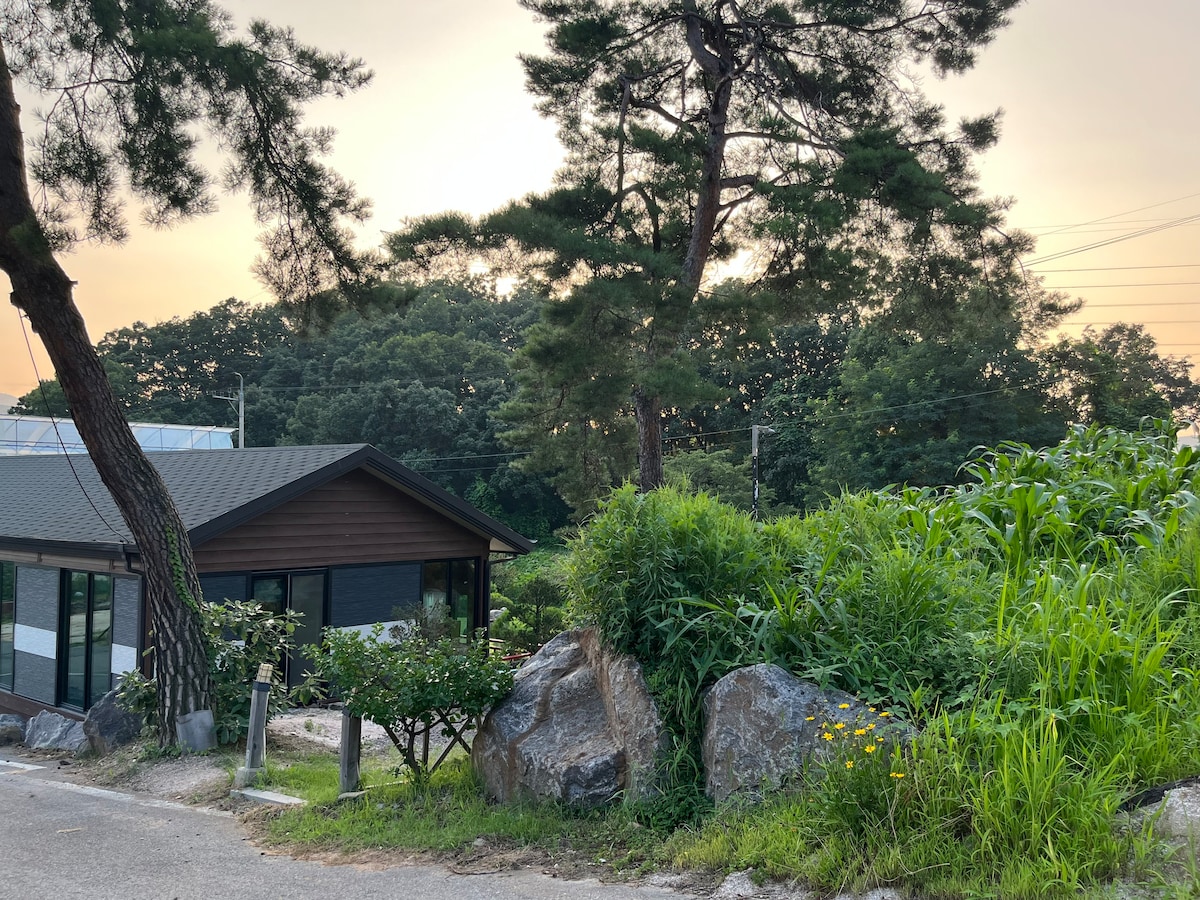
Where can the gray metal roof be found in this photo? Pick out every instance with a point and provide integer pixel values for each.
(60, 500)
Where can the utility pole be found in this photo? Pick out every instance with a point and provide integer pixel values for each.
(241, 408)
(755, 431)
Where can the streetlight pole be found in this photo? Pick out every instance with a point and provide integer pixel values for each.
(755, 431)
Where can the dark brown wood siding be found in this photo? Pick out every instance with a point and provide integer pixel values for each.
(353, 519)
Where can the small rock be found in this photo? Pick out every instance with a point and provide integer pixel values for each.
(109, 726)
(12, 729)
(50, 731)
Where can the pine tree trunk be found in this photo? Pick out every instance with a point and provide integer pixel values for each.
(648, 415)
(43, 291)
(718, 68)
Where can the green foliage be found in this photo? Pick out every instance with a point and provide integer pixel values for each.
(532, 593)
(413, 684)
(1117, 377)
(240, 636)
(810, 153)
(643, 571)
(1038, 624)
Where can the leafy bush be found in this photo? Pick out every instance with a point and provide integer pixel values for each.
(531, 593)
(412, 684)
(240, 637)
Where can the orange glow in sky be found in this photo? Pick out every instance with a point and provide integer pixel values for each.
(1101, 101)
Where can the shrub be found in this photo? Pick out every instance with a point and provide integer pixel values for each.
(412, 684)
(531, 592)
(240, 637)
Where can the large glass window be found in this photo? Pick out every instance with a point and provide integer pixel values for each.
(85, 639)
(8, 596)
(451, 583)
(301, 592)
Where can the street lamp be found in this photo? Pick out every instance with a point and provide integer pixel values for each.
(755, 431)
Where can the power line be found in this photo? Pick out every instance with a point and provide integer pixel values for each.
(1116, 268)
(1140, 284)
(1153, 229)
(1126, 213)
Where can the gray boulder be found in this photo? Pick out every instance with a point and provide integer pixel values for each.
(579, 726)
(12, 729)
(50, 731)
(109, 726)
(762, 726)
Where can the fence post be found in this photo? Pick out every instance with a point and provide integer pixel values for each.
(351, 752)
(256, 736)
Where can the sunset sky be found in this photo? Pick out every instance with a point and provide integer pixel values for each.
(1101, 100)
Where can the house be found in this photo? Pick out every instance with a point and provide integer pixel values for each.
(343, 534)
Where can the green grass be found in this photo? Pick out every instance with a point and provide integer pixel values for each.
(447, 815)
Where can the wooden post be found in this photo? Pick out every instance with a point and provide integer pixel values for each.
(256, 736)
(351, 752)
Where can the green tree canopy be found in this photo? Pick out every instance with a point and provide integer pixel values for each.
(1117, 377)
(695, 131)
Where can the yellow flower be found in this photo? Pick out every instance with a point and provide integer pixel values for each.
(879, 739)
(897, 774)
(809, 718)
(849, 764)
(870, 748)
(827, 736)
(843, 706)
(870, 726)
(840, 725)
(860, 731)
(884, 714)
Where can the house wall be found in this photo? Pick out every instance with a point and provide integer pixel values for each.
(35, 633)
(36, 617)
(355, 519)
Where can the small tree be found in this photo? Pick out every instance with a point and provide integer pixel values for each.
(413, 684)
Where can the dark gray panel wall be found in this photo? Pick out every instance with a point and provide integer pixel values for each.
(35, 677)
(37, 597)
(127, 611)
(360, 595)
(223, 587)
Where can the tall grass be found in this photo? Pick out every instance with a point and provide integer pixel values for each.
(1039, 624)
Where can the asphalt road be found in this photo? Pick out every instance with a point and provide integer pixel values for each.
(60, 841)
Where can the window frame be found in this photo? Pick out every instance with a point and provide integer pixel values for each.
(8, 624)
(91, 685)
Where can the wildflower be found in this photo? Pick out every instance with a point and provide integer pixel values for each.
(827, 736)
(809, 718)
(860, 731)
(879, 739)
(840, 725)
(843, 706)
(870, 748)
(897, 774)
(849, 764)
(884, 714)
(870, 726)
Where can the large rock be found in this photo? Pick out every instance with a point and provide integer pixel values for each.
(579, 726)
(762, 725)
(109, 726)
(12, 729)
(50, 731)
